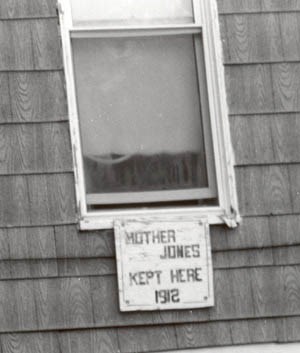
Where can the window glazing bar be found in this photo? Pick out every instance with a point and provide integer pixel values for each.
(133, 32)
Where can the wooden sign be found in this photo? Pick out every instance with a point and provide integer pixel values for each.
(163, 265)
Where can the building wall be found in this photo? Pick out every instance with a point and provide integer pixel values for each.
(58, 289)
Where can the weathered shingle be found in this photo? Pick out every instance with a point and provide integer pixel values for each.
(29, 45)
(37, 200)
(266, 139)
(30, 342)
(52, 199)
(36, 97)
(248, 6)
(31, 243)
(147, 339)
(63, 303)
(203, 335)
(280, 5)
(5, 106)
(72, 243)
(249, 89)
(92, 341)
(254, 38)
(286, 78)
(27, 8)
(264, 190)
(35, 148)
(229, 6)
(252, 139)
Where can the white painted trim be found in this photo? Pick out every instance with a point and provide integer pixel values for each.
(65, 23)
(224, 159)
(114, 198)
(227, 213)
(105, 219)
(129, 28)
(197, 13)
(133, 31)
(253, 348)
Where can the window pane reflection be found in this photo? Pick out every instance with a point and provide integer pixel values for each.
(139, 110)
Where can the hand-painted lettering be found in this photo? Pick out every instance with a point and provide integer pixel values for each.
(165, 296)
(167, 236)
(180, 251)
(183, 275)
(143, 278)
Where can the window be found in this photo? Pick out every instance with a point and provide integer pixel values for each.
(147, 110)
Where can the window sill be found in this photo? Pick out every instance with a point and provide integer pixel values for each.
(106, 219)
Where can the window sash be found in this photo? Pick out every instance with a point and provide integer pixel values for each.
(209, 192)
(120, 32)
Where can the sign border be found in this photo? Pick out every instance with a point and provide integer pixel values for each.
(125, 307)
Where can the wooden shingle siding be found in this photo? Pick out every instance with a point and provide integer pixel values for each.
(74, 244)
(55, 268)
(249, 89)
(248, 6)
(286, 138)
(35, 97)
(104, 266)
(5, 106)
(268, 88)
(233, 300)
(149, 339)
(234, 332)
(187, 336)
(12, 9)
(265, 139)
(37, 200)
(30, 148)
(286, 86)
(252, 139)
(280, 5)
(63, 303)
(66, 303)
(236, 6)
(52, 199)
(203, 335)
(253, 232)
(294, 171)
(86, 267)
(46, 45)
(30, 269)
(290, 27)
(93, 341)
(289, 330)
(30, 243)
(38, 242)
(17, 306)
(288, 254)
(261, 38)
(29, 45)
(253, 38)
(285, 230)
(265, 190)
(258, 232)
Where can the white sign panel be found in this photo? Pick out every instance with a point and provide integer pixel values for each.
(163, 265)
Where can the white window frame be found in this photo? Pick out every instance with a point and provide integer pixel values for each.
(206, 22)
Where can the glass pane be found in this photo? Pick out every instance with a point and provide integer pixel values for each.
(131, 12)
(139, 110)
